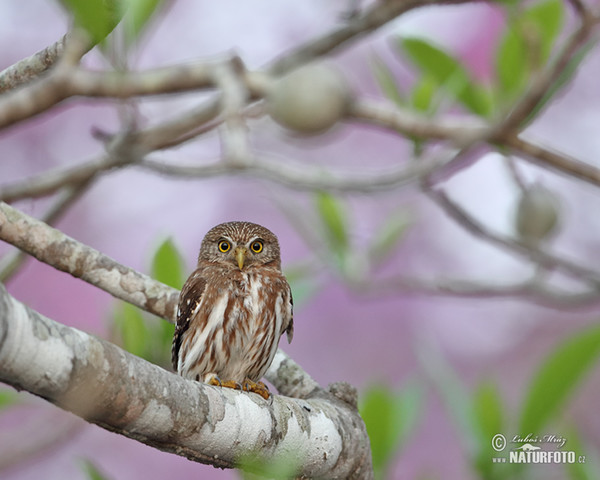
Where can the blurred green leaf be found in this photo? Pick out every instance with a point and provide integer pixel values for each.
(389, 417)
(386, 81)
(449, 73)
(488, 413)
(562, 80)
(557, 378)
(547, 18)
(487, 408)
(423, 94)
(333, 219)
(167, 265)
(511, 62)
(97, 17)
(527, 44)
(588, 470)
(284, 467)
(91, 471)
(137, 14)
(388, 235)
(8, 398)
(302, 282)
(132, 329)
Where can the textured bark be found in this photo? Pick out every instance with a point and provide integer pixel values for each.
(122, 393)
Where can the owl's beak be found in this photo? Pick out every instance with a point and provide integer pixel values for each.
(240, 256)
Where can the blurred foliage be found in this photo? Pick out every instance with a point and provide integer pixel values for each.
(390, 419)
(557, 377)
(91, 471)
(143, 334)
(481, 414)
(100, 17)
(283, 467)
(448, 73)
(8, 398)
(97, 17)
(525, 46)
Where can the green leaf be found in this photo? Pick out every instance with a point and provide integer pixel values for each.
(487, 408)
(97, 17)
(390, 418)
(283, 467)
(547, 19)
(423, 93)
(333, 219)
(527, 44)
(132, 329)
(91, 471)
(302, 282)
(449, 73)
(388, 235)
(8, 398)
(167, 265)
(386, 81)
(557, 378)
(137, 14)
(511, 63)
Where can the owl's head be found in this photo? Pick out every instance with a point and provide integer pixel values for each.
(240, 245)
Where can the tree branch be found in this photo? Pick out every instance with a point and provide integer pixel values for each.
(64, 253)
(32, 67)
(92, 378)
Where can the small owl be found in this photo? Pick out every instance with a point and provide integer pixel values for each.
(233, 308)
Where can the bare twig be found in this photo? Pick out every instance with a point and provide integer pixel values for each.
(529, 290)
(373, 18)
(479, 230)
(544, 157)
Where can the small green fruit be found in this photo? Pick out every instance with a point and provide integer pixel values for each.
(538, 214)
(310, 99)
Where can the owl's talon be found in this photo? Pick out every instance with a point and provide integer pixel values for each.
(257, 387)
(214, 380)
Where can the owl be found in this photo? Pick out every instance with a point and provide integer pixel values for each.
(233, 309)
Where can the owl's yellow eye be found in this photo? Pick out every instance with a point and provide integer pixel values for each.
(256, 246)
(224, 246)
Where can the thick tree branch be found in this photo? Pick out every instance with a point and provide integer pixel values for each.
(105, 385)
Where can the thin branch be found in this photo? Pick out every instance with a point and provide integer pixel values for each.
(67, 81)
(547, 158)
(300, 176)
(376, 16)
(10, 264)
(479, 230)
(530, 290)
(388, 115)
(55, 248)
(32, 67)
(92, 378)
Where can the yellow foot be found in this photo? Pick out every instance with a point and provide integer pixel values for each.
(248, 386)
(256, 387)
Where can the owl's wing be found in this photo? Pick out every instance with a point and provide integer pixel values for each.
(191, 294)
(289, 328)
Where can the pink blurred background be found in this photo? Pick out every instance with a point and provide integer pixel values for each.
(339, 335)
